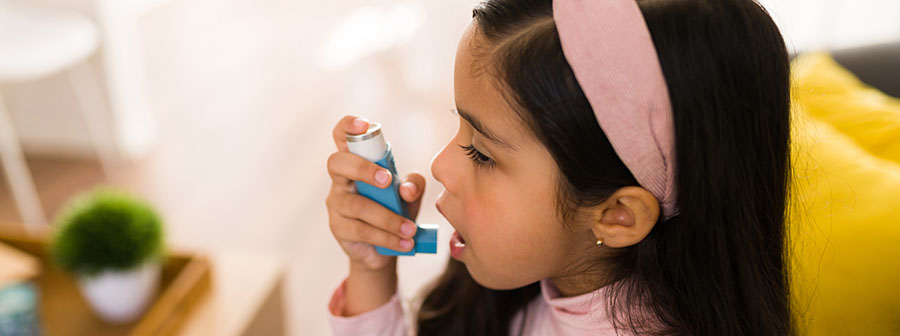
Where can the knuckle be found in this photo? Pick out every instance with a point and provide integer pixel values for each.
(360, 232)
(334, 226)
(349, 230)
(333, 160)
(363, 167)
(332, 202)
(338, 227)
(355, 205)
(347, 205)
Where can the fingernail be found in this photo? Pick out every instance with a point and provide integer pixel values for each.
(359, 123)
(382, 177)
(406, 244)
(410, 186)
(407, 228)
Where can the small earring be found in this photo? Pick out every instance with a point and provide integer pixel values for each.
(599, 242)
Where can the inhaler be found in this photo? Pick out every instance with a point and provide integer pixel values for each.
(372, 146)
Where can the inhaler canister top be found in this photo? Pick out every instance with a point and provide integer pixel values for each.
(370, 145)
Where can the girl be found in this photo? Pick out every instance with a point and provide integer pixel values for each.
(572, 213)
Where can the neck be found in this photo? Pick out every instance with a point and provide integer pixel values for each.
(584, 278)
(571, 286)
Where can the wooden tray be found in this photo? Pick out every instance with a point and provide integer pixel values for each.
(185, 278)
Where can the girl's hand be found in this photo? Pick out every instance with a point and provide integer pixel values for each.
(358, 222)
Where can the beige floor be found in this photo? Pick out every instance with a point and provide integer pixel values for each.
(246, 99)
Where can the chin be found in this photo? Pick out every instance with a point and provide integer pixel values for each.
(492, 282)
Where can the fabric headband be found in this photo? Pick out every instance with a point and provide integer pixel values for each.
(609, 47)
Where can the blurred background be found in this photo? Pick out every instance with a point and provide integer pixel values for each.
(219, 112)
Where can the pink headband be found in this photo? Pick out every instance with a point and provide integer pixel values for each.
(609, 47)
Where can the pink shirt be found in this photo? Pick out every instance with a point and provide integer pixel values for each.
(549, 314)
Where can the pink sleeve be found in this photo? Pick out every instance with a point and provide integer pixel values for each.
(382, 321)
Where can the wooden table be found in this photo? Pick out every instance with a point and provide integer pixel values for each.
(244, 296)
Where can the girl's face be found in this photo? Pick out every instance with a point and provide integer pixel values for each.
(500, 184)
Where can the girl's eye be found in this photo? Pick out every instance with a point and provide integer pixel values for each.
(477, 157)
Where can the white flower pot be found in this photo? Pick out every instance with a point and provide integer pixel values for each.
(121, 296)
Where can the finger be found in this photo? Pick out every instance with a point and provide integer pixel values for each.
(354, 230)
(348, 124)
(412, 187)
(411, 190)
(369, 211)
(344, 167)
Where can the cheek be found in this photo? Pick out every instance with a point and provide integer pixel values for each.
(513, 233)
(512, 207)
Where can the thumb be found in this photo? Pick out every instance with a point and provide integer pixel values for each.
(411, 190)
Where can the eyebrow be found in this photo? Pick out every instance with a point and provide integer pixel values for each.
(478, 126)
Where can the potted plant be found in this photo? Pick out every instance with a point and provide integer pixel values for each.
(113, 244)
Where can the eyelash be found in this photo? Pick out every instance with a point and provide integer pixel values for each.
(477, 157)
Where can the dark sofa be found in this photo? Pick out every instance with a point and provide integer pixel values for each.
(876, 65)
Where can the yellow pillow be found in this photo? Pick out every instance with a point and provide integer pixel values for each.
(844, 229)
(828, 91)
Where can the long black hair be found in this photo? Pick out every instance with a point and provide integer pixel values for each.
(720, 267)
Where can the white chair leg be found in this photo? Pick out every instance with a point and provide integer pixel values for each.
(18, 176)
(96, 114)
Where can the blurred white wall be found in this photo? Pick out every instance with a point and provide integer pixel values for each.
(47, 117)
(48, 120)
(835, 24)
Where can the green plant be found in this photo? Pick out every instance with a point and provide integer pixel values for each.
(106, 230)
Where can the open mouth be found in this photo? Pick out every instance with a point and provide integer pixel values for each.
(460, 239)
(457, 245)
(457, 242)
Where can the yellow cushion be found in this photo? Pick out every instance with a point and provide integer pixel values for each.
(828, 91)
(845, 231)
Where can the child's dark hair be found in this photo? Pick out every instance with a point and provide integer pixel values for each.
(720, 267)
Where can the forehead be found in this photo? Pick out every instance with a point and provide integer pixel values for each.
(478, 91)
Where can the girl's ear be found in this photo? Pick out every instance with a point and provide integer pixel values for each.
(625, 218)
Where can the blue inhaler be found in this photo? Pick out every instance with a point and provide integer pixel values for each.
(372, 146)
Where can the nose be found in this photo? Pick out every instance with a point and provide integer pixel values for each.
(441, 167)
